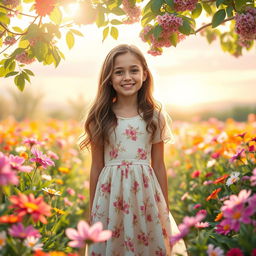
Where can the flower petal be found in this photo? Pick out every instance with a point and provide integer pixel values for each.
(83, 229)
(103, 236)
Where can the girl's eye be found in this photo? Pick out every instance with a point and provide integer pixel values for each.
(119, 72)
(135, 70)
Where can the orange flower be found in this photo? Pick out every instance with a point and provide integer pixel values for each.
(219, 216)
(64, 169)
(24, 155)
(214, 194)
(221, 179)
(10, 219)
(44, 7)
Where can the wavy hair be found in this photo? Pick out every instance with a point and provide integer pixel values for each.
(101, 119)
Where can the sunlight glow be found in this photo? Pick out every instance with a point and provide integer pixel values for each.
(72, 9)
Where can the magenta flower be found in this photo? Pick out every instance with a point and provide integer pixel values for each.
(31, 141)
(40, 159)
(16, 164)
(191, 221)
(7, 175)
(235, 252)
(84, 234)
(52, 155)
(18, 230)
(253, 177)
(236, 200)
(237, 155)
(224, 227)
(202, 225)
(214, 251)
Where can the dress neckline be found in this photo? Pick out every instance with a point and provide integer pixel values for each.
(122, 117)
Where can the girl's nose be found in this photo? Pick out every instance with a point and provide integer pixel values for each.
(127, 76)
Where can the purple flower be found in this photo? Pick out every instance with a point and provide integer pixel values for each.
(31, 141)
(85, 233)
(16, 164)
(20, 231)
(7, 175)
(41, 159)
(237, 155)
(224, 227)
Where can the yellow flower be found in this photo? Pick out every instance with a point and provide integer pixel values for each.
(64, 169)
(59, 211)
(55, 253)
(24, 155)
(59, 181)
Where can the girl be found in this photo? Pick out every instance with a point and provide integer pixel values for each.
(126, 131)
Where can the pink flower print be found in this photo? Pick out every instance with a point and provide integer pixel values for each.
(96, 254)
(131, 132)
(135, 219)
(164, 232)
(106, 187)
(150, 171)
(116, 233)
(160, 252)
(145, 180)
(135, 187)
(129, 244)
(157, 197)
(143, 238)
(120, 204)
(149, 218)
(141, 154)
(113, 153)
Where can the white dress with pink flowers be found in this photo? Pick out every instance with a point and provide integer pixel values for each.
(128, 198)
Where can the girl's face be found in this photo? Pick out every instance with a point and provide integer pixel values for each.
(128, 75)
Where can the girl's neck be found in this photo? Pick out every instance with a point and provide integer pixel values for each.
(126, 105)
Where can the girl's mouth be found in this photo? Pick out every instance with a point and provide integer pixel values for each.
(127, 86)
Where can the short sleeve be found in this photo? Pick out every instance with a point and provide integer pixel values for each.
(164, 128)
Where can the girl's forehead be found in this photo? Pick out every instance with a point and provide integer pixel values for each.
(126, 60)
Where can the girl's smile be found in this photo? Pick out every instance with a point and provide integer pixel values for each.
(128, 75)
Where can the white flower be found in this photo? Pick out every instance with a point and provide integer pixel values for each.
(222, 137)
(52, 191)
(2, 239)
(47, 177)
(211, 163)
(233, 178)
(20, 149)
(214, 251)
(32, 242)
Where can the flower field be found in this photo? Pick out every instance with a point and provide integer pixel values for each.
(44, 194)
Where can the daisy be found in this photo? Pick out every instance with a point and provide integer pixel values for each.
(51, 191)
(32, 242)
(233, 178)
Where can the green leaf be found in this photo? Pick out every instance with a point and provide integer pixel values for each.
(174, 39)
(20, 81)
(116, 22)
(218, 18)
(219, 2)
(25, 75)
(76, 32)
(29, 72)
(147, 18)
(170, 3)
(147, 8)
(207, 8)
(197, 11)
(229, 11)
(40, 50)
(114, 32)
(12, 73)
(185, 28)
(100, 17)
(105, 33)
(56, 16)
(157, 31)
(23, 43)
(4, 19)
(156, 5)
(17, 29)
(70, 39)
(239, 4)
(118, 11)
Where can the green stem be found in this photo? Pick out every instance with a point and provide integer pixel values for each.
(32, 180)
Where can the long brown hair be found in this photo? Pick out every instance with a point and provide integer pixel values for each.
(101, 119)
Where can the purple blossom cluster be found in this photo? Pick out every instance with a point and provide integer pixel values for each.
(9, 40)
(184, 5)
(24, 58)
(245, 25)
(169, 22)
(133, 12)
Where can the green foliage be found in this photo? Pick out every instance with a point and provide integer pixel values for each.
(38, 39)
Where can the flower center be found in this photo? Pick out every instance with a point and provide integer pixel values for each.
(226, 227)
(213, 254)
(31, 244)
(31, 206)
(237, 215)
(1, 241)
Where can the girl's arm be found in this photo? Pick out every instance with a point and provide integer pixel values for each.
(157, 162)
(97, 156)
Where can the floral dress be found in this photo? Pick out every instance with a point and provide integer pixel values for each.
(128, 198)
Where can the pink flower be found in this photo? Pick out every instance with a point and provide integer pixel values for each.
(9, 40)
(84, 233)
(40, 159)
(7, 175)
(197, 206)
(67, 202)
(31, 141)
(235, 252)
(133, 12)
(253, 178)
(195, 174)
(16, 164)
(183, 232)
(202, 225)
(81, 197)
(224, 227)
(52, 155)
(246, 24)
(141, 154)
(191, 221)
(183, 5)
(154, 51)
(36, 207)
(202, 211)
(18, 230)
(169, 22)
(236, 200)
(217, 251)
(71, 191)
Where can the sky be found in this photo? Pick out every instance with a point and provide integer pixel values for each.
(193, 72)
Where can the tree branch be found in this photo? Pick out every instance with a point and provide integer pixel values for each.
(11, 10)
(2, 25)
(209, 24)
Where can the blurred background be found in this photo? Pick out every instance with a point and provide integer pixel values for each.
(194, 81)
